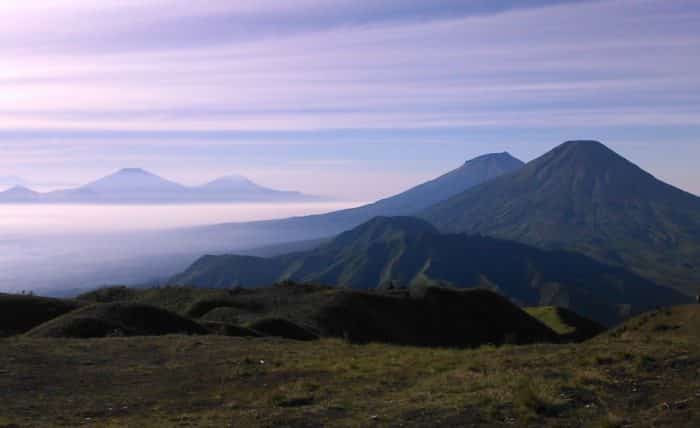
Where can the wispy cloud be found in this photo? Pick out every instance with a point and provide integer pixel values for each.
(139, 75)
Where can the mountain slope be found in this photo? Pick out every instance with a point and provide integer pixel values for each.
(584, 197)
(403, 251)
(473, 172)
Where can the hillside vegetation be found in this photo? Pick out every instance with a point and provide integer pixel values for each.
(117, 319)
(584, 197)
(20, 313)
(390, 252)
(644, 373)
(569, 325)
(427, 317)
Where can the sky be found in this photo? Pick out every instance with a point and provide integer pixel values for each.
(357, 99)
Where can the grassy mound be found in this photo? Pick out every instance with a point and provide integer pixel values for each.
(176, 299)
(282, 328)
(647, 378)
(432, 316)
(109, 295)
(21, 313)
(294, 302)
(570, 326)
(127, 319)
(681, 321)
(226, 329)
(204, 306)
(438, 317)
(229, 315)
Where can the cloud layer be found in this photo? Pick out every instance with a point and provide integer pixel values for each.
(354, 82)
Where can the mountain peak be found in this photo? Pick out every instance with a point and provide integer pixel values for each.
(586, 157)
(381, 229)
(584, 143)
(381, 226)
(233, 182)
(582, 196)
(133, 171)
(233, 179)
(19, 194)
(584, 146)
(496, 157)
(132, 180)
(20, 189)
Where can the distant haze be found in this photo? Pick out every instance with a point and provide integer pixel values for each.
(71, 246)
(59, 219)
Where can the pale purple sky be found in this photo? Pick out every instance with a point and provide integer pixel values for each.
(352, 98)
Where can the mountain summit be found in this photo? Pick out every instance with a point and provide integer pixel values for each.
(583, 196)
(248, 190)
(132, 180)
(232, 182)
(471, 173)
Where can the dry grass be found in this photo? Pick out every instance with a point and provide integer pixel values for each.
(646, 373)
(220, 381)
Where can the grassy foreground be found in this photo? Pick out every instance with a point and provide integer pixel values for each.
(646, 373)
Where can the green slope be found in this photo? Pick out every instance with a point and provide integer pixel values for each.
(582, 196)
(567, 324)
(408, 252)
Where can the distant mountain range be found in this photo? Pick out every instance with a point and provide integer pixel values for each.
(584, 197)
(135, 185)
(409, 252)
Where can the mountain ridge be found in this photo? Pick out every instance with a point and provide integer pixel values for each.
(409, 252)
(415, 199)
(582, 196)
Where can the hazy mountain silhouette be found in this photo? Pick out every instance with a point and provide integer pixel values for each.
(232, 182)
(133, 180)
(582, 196)
(19, 194)
(135, 185)
(239, 185)
(406, 251)
(409, 202)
